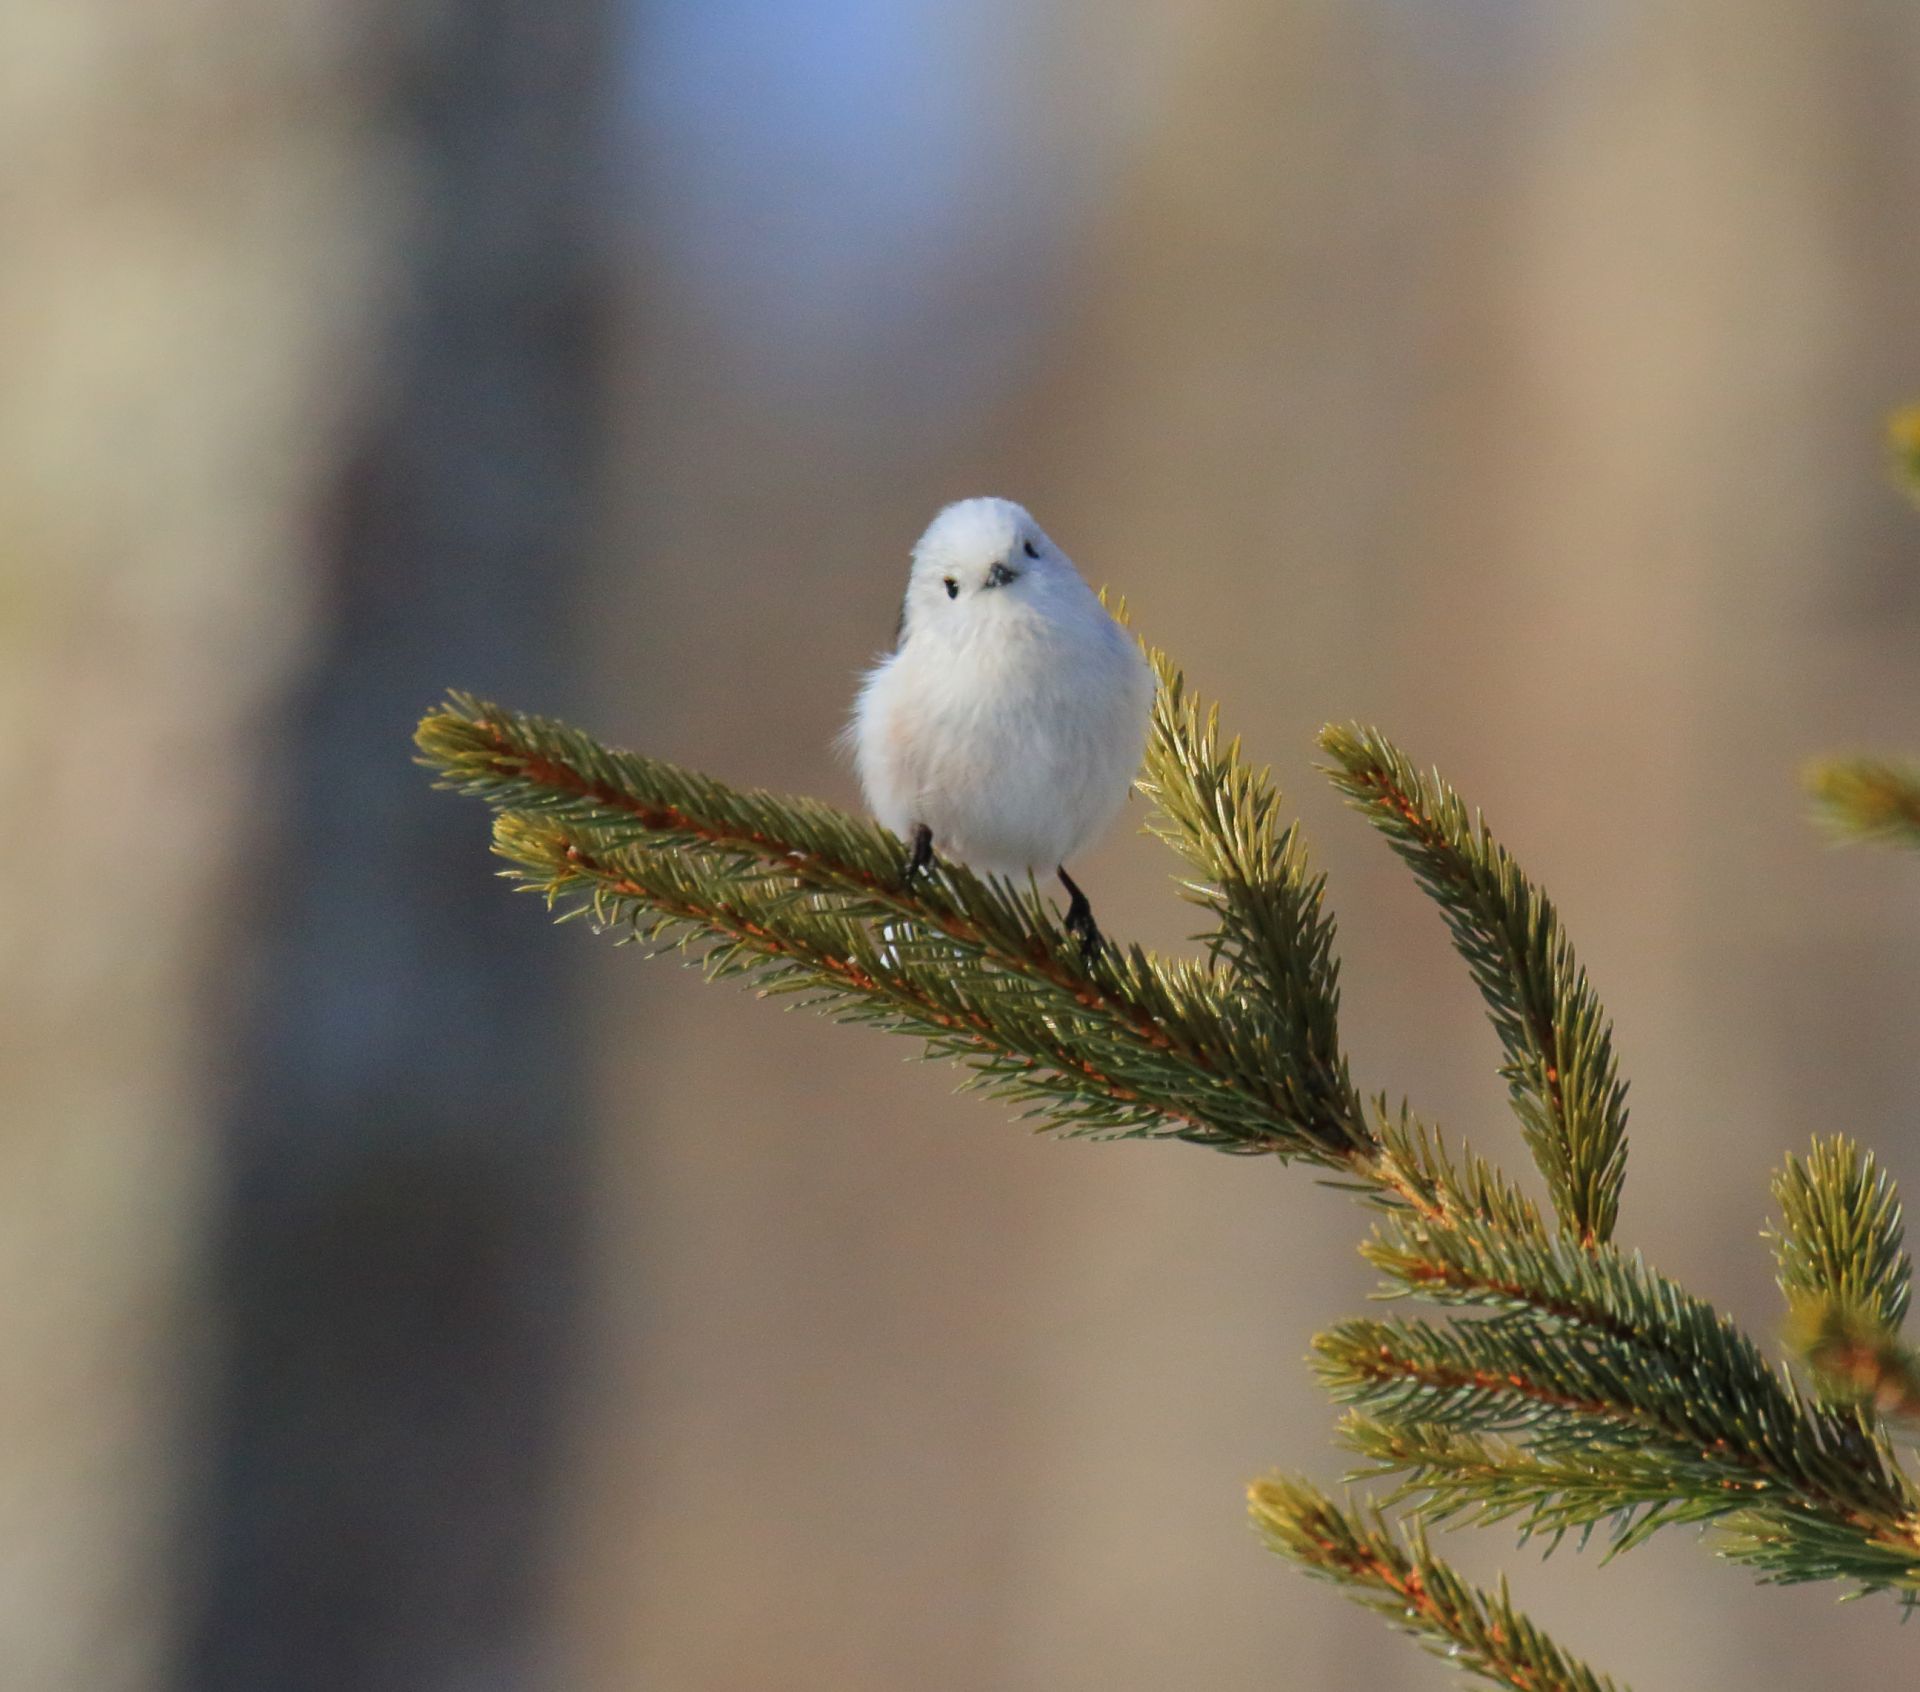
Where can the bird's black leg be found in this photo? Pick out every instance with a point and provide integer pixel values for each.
(920, 860)
(1080, 917)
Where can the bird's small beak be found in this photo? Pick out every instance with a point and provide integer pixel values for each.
(1000, 575)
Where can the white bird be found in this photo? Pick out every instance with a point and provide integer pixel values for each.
(1006, 726)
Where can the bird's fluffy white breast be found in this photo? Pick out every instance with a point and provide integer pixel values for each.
(1013, 736)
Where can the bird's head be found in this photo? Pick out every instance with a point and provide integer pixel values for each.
(981, 559)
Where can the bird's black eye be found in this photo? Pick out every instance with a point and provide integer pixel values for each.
(953, 587)
(1032, 551)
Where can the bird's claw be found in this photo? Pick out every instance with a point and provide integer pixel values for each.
(1092, 941)
(920, 859)
(1080, 921)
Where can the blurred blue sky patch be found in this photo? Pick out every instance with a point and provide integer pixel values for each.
(865, 179)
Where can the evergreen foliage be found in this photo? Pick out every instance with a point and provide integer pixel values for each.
(1562, 1384)
(1841, 1232)
(1399, 1575)
(1846, 1276)
(1560, 1070)
(1273, 940)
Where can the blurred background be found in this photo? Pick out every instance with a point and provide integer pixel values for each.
(397, 1294)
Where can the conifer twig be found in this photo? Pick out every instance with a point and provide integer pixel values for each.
(1405, 1580)
(1175, 1035)
(1482, 1478)
(1250, 872)
(1847, 1277)
(1841, 1231)
(1594, 1355)
(1560, 1068)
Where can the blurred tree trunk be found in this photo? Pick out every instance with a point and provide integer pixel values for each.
(397, 1255)
(194, 252)
(247, 247)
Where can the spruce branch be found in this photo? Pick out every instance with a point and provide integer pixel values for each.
(1198, 1059)
(1250, 873)
(1573, 1395)
(1651, 1336)
(737, 921)
(1450, 1474)
(1560, 1067)
(1132, 1045)
(1400, 1576)
(1612, 1374)
(1846, 1276)
(1485, 1478)
(1413, 1168)
(1841, 1231)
